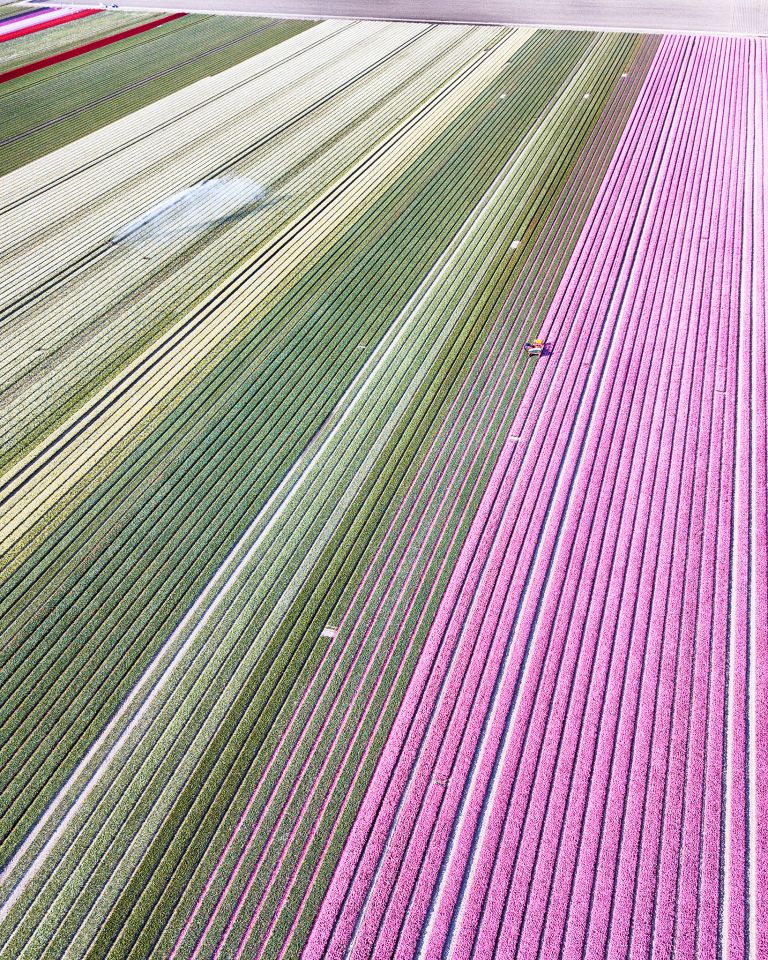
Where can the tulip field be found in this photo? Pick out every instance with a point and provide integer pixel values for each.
(336, 623)
(80, 71)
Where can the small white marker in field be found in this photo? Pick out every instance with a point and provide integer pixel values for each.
(586, 96)
(515, 438)
(330, 632)
(515, 244)
(624, 76)
(503, 96)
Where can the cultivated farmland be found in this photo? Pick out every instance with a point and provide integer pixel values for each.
(64, 83)
(335, 621)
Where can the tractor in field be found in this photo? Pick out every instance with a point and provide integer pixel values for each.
(534, 348)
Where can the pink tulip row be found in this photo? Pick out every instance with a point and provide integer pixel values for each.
(555, 779)
(758, 487)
